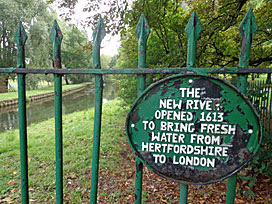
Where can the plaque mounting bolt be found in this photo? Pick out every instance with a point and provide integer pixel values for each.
(190, 81)
(250, 131)
(132, 125)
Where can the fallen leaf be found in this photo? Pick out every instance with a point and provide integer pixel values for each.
(11, 182)
(9, 200)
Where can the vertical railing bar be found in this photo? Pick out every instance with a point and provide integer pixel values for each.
(58, 137)
(268, 113)
(192, 30)
(138, 181)
(266, 106)
(260, 98)
(247, 29)
(250, 87)
(261, 103)
(56, 38)
(142, 32)
(254, 89)
(96, 137)
(183, 193)
(231, 188)
(20, 38)
(253, 95)
(262, 108)
(23, 137)
(269, 148)
(270, 105)
(98, 35)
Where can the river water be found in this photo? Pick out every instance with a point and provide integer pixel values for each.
(37, 112)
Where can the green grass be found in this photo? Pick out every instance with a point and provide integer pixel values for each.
(77, 145)
(14, 95)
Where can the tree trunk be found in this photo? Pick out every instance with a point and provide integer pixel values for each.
(4, 84)
(66, 80)
(268, 79)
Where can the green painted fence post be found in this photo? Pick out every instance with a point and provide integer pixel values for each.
(192, 30)
(56, 38)
(247, 29)
(98, 34)
(183, 194)
(142, 31)
(20, 38)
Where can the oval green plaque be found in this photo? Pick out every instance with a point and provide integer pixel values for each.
(193, 129)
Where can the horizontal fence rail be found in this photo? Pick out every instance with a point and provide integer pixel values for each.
(177, 70)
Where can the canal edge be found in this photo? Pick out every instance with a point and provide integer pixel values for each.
(37, 98)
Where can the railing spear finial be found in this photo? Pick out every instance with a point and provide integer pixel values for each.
(247, 28)
(56, 38)
(98, 35)
(142, 31)
(192, 31)
(20, 39)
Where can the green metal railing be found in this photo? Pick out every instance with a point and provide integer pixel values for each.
(248, 28)
(259, 92)
(20, 38)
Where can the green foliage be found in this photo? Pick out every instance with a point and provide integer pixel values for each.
(113, 61)
(166, 47)
(219, 42)
(37, 18)
(105, 61)
(248, 192)
(76, 52)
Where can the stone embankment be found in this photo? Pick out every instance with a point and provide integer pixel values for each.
(37, 98)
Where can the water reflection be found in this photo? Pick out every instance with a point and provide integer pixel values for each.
(37, 112)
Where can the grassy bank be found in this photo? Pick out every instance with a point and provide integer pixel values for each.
(117, 166)
(77, 144)
(13, 95)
